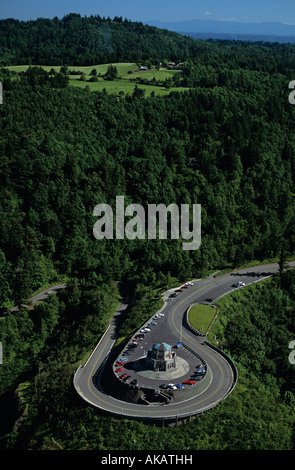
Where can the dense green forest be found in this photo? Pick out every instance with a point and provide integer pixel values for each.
(256, 323)
(65, 150)
(76, 40)
(228, 144)
(91, 40)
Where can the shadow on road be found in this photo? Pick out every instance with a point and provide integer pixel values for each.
(253, 274)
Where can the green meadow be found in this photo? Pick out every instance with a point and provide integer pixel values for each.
(201, 316)
(128, 73)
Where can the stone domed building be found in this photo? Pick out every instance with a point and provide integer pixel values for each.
(161, 357)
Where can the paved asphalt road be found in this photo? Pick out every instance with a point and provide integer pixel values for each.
(171, 329)
(42, 295)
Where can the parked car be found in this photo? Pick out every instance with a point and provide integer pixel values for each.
(133, 382)
(123, 376)
(120, 369)
(189, 382)
(197, 374)
(189, 284)
(179, 386)
(172, 386)
(179, 290)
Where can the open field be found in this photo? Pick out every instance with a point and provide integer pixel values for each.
(128, 73)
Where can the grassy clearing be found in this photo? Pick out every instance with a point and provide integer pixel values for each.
(125, 84)
(201, 317)
(117, 87)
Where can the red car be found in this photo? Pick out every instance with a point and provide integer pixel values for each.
(189, 382)
(179, 290)
(120, 369)
(123, 376)
(184, 287)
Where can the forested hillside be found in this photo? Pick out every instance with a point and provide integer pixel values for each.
(86, 41)
(64, 150)
(228, 144)
(76, 40)
(47, 414)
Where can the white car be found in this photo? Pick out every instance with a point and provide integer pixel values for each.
(189, 284)
(241, 284)
(172, 386)
(147, 329)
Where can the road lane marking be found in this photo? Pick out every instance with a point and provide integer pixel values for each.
(155, 414)
(149, 412)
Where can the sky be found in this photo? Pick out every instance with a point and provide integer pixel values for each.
(256, 11)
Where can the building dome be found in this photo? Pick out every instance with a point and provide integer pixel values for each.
(162, 347)
(161, 357)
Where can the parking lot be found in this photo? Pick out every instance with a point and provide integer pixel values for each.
(133, 369)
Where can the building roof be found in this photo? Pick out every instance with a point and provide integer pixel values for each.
(162, 346)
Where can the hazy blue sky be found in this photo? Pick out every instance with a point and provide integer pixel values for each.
(146, 10)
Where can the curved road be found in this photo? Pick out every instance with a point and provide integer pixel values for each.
(41, 296)
(171, 326)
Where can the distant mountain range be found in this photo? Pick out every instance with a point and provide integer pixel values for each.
(268, 31)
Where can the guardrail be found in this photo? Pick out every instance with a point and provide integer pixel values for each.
(240, 287)
(153, 415)
(219, 351)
